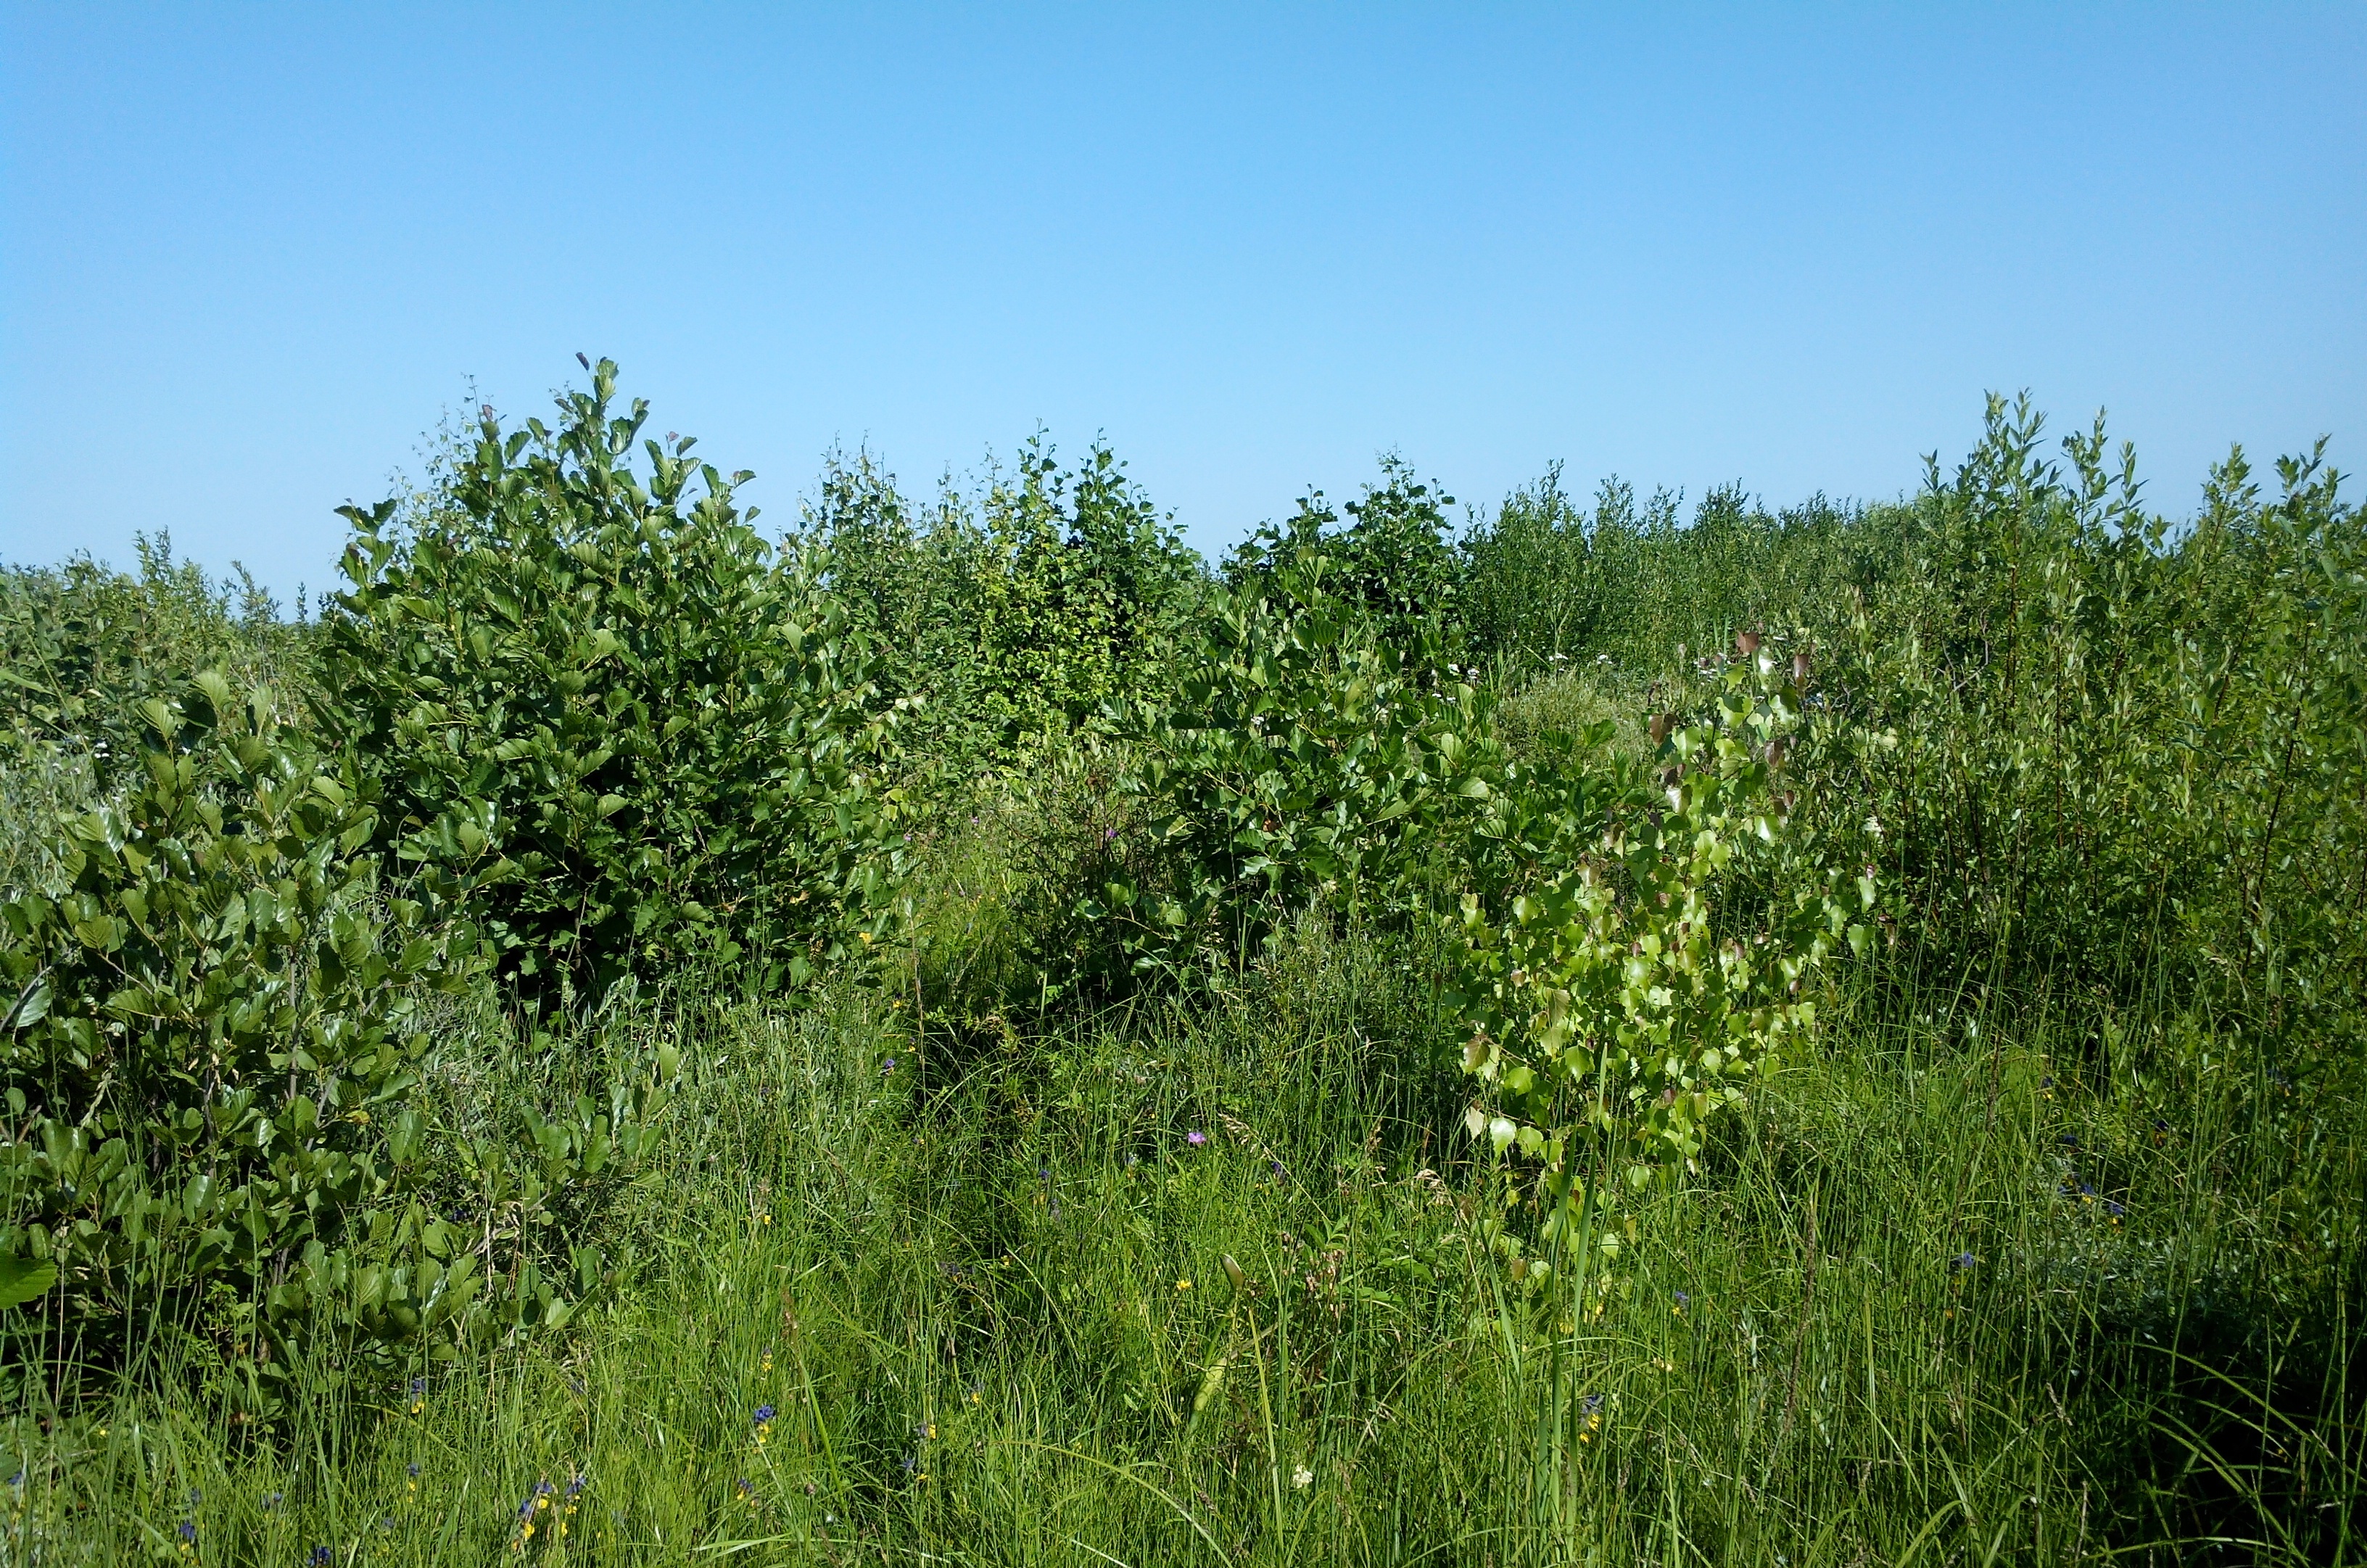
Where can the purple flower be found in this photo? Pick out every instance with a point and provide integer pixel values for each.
(414, 1470)
(322, 1556)
(889, 1065)
(764, 1413)
(188, 1530)
(2115, 1209)
(1963, 1260)
(1195, 1138)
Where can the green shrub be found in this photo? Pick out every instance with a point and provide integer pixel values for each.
(1392, 566)
(213, 1028)
(83, 649)
(1017, 616)
(1306, 763)
(633, 736)
(1614, 1007)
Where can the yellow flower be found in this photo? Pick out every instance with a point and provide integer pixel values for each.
(1182, 1284)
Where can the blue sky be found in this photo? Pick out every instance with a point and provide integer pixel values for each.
(248, 254)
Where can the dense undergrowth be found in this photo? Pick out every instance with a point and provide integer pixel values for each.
(965, 1035)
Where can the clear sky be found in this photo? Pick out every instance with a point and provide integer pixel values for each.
(248, 254)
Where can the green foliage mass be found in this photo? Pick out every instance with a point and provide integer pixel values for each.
(1016, 617)
(215, 1021)
(1822, 1034)
(608, 714)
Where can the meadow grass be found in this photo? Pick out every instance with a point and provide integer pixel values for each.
(967, 1299)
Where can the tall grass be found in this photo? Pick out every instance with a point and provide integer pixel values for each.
(980, 1285)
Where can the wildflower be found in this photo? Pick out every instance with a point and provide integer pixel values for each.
(1962, 1261)
(188, 1532)
(889, 1065)
(1301, 1477)
(763, 1423)
(575, 1487)
(2115, 1209)
(323, 1557)
(273, 1499)
(1195, 1138)
(196, 1497)
(978, 1393)
(1182, 1284)
(2086, 1193)
(1683, 1301)
(765, 1365)
(418, 1395)
(2069, 1140)
(924, 1432)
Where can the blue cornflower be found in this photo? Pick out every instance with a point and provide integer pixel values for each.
(1683, 1301)
(412, 1470)
(419, 1385)
(188, 1530)
(323, 1557)
(763, 1413)
(1593, 1403)
(2069, 1140)
(889, 1065)
(1963, 1260)
(2115, 1209)
(273, 1499)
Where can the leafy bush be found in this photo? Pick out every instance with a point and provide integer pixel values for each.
(1018, 616)
(212, 1027)
(607, 710)
(1392, 565)
(1613, 1007)
(83, 649)
(1306, 763)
